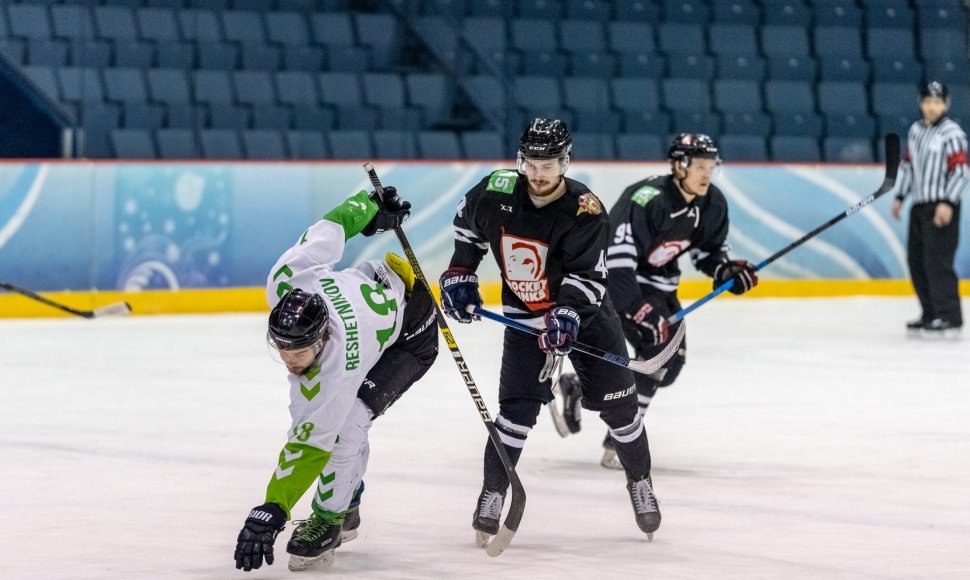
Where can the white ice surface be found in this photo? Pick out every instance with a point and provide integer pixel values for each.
(804, 439)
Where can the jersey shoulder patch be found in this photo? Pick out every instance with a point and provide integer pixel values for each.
(589, 203)
(502, 181)
(643, 195)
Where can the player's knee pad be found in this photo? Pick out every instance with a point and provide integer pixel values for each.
(515, 419)
(621, 417)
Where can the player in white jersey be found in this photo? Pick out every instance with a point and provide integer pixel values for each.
(353, 341)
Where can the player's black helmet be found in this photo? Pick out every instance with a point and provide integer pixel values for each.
(299, 320)
(546, 139)
(934, 89)
(687, 146)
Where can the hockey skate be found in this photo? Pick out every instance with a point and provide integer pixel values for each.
(915, 327)
(610, 460)
(313, 543)
(568, 420)
(644, 505)
(485, 519)
(939, 328)
(348, 531)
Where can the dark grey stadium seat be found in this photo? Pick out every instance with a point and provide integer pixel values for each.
(842, 97)
(44, 52)
(847, 150)
(45, 78)
(746, 123)
(158, 24)
(263, 144)
(243, 26)
(220, 144)
(133, 144)
(125, 85)
(200, 25)
(432, 93)
(743, 148)
(176, 144)
(682, 39)
(483, 145)
(81, 84)
(858, 125)
(733, 40)
(288, 28)
(686, 94)
(748, 68)
(632, 37)
(596, 146)
(307, 145)
(379, 32)
(837, 41)
(640, 147)
(115, 23)
(779, 41)
(350, 145)
(217, 55)
(29, 21)
(72, 21)
(789, 97)
(169, 86)
(737, 96)
(794, 148)
(439, 145)
(395, 145)
(263, 57)
(134, 54)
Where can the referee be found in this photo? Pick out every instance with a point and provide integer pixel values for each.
(934, 174)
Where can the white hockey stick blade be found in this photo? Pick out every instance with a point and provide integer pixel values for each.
(656, 363)
(501, 541)
(557, 418)
(116, 309)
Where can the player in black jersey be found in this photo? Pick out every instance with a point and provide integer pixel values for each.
(653, 223)
(549, 235)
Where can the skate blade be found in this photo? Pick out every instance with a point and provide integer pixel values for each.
(347, 535)
(650, 537)
(610, 460)
(301, 563)
(482, 538)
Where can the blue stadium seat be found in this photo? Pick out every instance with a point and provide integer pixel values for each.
(176, 144)
(296, 88)
(488, 95)
(43, 52)
(594, 64)
(951, 72)
(432, 93)
(737, 12)
(746, 68)
(698, 122)
(743, 148)
(220, 144)
(588, 10)
(306, 145)
(185, 116)
(125, 85)
(212, 87)
(45, 79)
(737, 96)
(792, 68)
(681, 39)
(142, 115)
(652, 121)
(488, 35)
(309, 118)
(898, 124)
(582, 35)
(439, 145)
(483, 145)
(889, 14)
(798, 124)
(636, 94)
(896, 70)
(941, 14)
(229, 117)
(789, 97)
(529, 34)
(691, 66)
(253, 87)
(540, 93)
(332, 29)
(838, 41)
(589, 99)
(858, 125)
(340, 89)
(548, 9)
(263, 144)
(287, 28)
(93, 53)
(262, 57)
(960, 104)
(29, 21)
(349, 59)
(199, 25)
(115, 23)
(844, 69)
(838, 13)
(642, 65)
(217, 55)
(176, 55)
(686, 95)
(595, 146)
(72, 21)
(303, 58)
(631, 37)
(80, 84)
(169, 86)
(380, 33)
(492, 8)
(733, 39)
(133, 144)
(640, 147)
(893, 98)
(947, 44)
(134, 54)
(753, 123)
(637, 10)
(157, 24)
(103, 115)
(544, 62)
(210, 4)
(794, 148)
(779, 41)
(691, 11)
(842, 97)
(848, 150)
(96, 142)
(787, 13)
(395, 145)
(890, 43)
(243, 26)
(351, 145)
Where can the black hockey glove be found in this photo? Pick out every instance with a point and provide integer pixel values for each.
(391, 212)
(649, 316)
(741, 271)
(562, 326)
(459, 290)
(255, 540)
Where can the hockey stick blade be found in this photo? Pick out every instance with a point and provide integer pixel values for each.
(644, 367)
(517, 502)
(116, 309)
(889, 181)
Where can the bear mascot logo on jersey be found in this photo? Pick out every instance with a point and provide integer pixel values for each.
(524, 262)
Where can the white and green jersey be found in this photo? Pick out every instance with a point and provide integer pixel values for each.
(366, 306)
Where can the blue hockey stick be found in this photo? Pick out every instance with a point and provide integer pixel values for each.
(892, 166)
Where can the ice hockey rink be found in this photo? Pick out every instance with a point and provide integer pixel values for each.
(804, 439)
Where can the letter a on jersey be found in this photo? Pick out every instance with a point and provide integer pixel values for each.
(524, 262)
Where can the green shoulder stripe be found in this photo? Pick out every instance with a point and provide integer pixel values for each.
(502, 181)
(299, 466)
(643, 195)
(353, 214)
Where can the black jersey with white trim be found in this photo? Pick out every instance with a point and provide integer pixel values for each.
(652, 225)
(555, 254)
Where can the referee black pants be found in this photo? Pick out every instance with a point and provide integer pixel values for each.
(931, 251)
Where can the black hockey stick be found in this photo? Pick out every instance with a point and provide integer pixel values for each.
(892, 166)
(116, 309)
(517, 503)
(644, 367)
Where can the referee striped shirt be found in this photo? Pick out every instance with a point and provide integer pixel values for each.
(934, 166)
